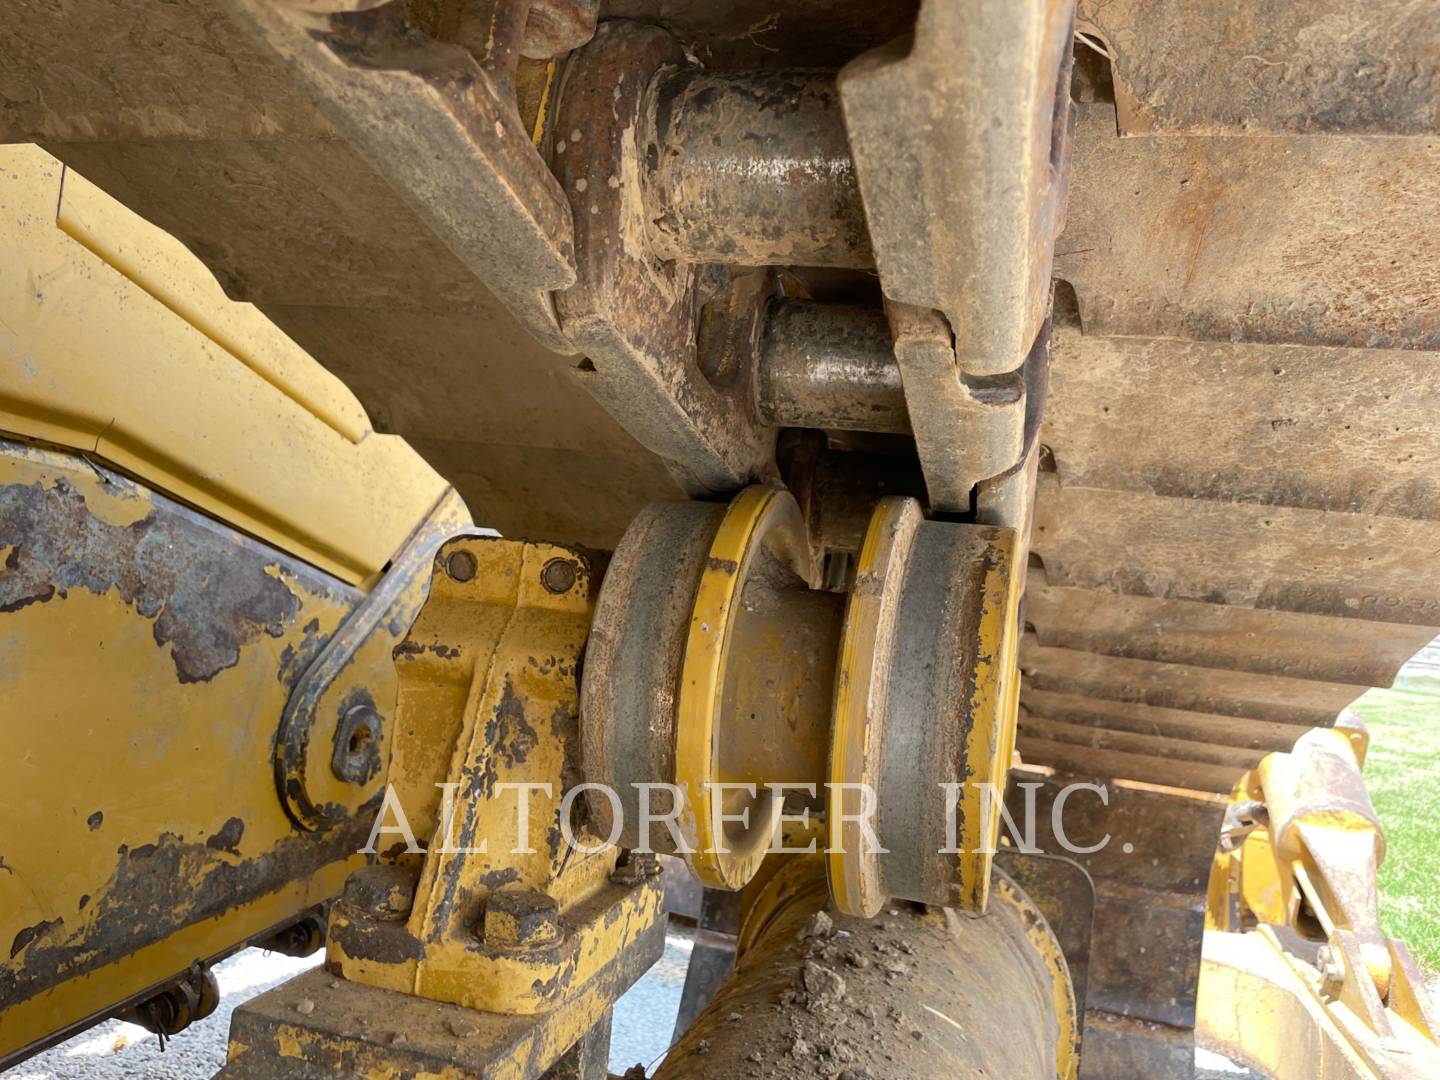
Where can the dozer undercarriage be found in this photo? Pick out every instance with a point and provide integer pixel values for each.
(938, 416)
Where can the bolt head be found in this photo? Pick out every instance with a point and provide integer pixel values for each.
(461, 565)
(521, 920)
(1332, 970)
(559, 575)
(386, 893)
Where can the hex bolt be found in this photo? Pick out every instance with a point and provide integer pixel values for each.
(461, 565)
(521, 921)
(1332, 970)
(384, 893)
(558, 575)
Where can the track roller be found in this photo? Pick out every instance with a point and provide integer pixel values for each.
(718, 665)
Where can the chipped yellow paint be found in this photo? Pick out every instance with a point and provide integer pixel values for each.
(488, 687)
(24, 1021)
(757, 518)
(289, 1045)
(111, 755)
(1062, 991)
(860, 690)
(993, 709)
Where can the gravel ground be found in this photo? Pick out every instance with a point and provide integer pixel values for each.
(644, 1018)
(116, 1050)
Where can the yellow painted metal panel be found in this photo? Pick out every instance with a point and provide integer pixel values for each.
(146, 653)
(114, 341)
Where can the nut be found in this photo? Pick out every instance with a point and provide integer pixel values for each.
(386, 893)
(355, 757)
(521, 920)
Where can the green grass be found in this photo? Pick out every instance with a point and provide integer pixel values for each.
(1402, 770)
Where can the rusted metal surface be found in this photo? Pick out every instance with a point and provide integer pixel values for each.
(351, 1028)
(967, 427)
(553, 27)
(1320, 495)
(1237, 415)
(63, 88)
(1348, 565)
(712, 958)
(442, 127)
(139, 905)
(941, 712)
(1199, 634)
(1271, 66)
(1230, 291)
(631, 313)
(1157, 760)
(829, 366)
(1346, 430)
(1177, 686)
(845, 485)
(819, 993)
(746, 34)
(633, 659)
(206, 594)
(961, 141)
(1183, 756)
(240, 166)
(353, 752)
(166, 613)
(1062, 891)
(751, 169)
(1121, 1046)
(1286, 239)
(1212, 729)
(1150, 882)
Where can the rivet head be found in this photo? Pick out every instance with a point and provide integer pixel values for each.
(558, 575)
(460, 565)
